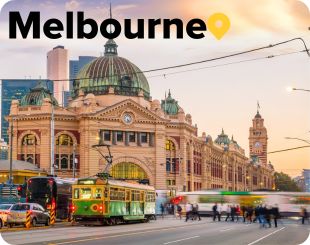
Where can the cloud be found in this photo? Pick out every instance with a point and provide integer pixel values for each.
(72, 5)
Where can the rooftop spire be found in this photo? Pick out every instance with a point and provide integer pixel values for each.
(110, 48)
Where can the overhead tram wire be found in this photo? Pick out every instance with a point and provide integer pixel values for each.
(289, 149)
(227, 64)
(203, 61)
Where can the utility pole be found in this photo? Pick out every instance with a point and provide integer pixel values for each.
(73, 165)
(52, 139)
(11, 159)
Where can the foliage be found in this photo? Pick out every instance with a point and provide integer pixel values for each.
(284, 182)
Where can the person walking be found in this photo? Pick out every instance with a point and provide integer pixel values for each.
(179, 211)
(275, 214)
(304, 215)
(238, 211)
(188, 209)
(249, 214)
(262, 215)
(162, 210)
(220, 211)
(214, 209)
(196, 212)
(228, 211)
(233, 213)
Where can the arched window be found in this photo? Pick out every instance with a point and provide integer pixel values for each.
(64, 139)
(127, 170)
(29, 139)
(64, 162)
(172, 161)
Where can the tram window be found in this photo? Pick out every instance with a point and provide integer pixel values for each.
(135, 196)
(150, 197)
(98, 193)
(142, 196)
(127, 195)
(85, 193)
(76, 193)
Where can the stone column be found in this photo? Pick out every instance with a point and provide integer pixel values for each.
(160, 158)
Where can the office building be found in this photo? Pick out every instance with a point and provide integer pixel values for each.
(58, 69)
(14, 89)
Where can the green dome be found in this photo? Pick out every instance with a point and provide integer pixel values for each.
(36, 96)
(222, 139)
(169, 105)
(113, 71)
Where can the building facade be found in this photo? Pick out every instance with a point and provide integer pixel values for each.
(306, 179)
(151, 141)
(58, 69)
(14, 89)
(3, 150)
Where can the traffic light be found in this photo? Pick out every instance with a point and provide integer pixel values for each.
(19, 190)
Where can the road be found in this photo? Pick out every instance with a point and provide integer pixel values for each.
(164, 232)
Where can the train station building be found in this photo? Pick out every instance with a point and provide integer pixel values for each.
(151, 140)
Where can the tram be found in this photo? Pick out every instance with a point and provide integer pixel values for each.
(289, 203)
(106, 201)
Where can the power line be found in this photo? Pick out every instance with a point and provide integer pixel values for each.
(204, 61)
(289, 149)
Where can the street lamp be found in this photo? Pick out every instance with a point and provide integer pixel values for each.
(291, 89)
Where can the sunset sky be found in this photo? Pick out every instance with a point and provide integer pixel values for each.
(216, 97)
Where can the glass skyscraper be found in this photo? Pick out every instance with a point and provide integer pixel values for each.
(14, 89)
(76, 65)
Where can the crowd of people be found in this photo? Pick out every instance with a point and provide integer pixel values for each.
(264, 215)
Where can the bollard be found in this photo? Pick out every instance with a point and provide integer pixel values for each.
(53, 218)
(28, 219)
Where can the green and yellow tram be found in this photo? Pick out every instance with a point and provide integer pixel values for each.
(102, 201)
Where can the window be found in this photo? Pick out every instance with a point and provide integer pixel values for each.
(29, 139)
(107, 135)
(76, 193)
(64, 140)
(98, 193)
(135, 195)
(117, 194)
(132, 136)
(170, 145)
(119, 136)
(64, 163)
(143, 137)
(150, 197)
(85, 193)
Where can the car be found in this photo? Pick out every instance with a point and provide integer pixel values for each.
(38, 215)
(4, 210)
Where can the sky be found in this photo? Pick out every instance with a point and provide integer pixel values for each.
(217, 95)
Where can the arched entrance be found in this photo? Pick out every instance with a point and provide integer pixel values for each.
(128, 171)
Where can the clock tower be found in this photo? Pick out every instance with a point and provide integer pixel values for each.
(258, 139)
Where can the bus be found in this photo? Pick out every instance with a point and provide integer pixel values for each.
(107, 201)
(289, 203)
(51, 192)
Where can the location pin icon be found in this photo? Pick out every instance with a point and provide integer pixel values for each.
(218, 24)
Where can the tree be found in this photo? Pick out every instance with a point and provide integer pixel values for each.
(284, 182)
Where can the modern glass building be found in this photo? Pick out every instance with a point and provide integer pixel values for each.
(76, 65)
(306, 175)
(14, 89)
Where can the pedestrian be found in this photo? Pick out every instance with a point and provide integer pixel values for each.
(179, 211)
(304, 215)
(162, 210)
(220, 211)
(256, 213)
(268, 216)
(196, 211)
(188, 208)
(228, 210)
(238, 211)
(276, 215)
(244, 212)
(233, 213)
(249, 214)
(214, 209)
(262, 215)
